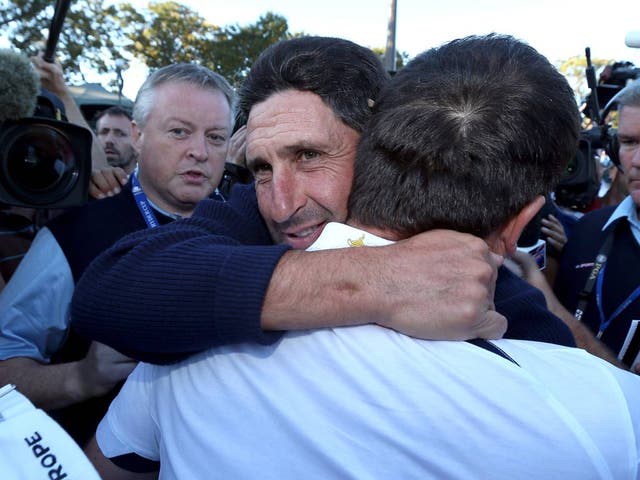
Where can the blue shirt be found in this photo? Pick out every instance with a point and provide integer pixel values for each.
(41, 288)
(627, 208)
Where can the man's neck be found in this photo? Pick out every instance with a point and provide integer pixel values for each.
(159, 205)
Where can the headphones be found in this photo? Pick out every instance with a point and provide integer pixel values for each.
(609, 136)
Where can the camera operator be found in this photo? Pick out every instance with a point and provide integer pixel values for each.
(598, 277)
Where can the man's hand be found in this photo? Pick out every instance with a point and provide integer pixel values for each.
(583, 336)
(554, 231)
(436, 285)
(442, 284)
(51, 76)
(237, 145)
(102, 369)
(528, 269)
(106, 182)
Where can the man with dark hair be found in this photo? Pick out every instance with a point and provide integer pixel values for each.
(414, 193)
(113, 130)
(272, 287)
(368, 402)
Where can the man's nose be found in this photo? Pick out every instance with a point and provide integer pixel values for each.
(198, 148)
(110, 137)
(635, 158)
(287, 196)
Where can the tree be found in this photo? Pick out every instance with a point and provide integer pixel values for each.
(235, 48)
(168, 32)
(574, 69)
(165, 33)
(90, 37)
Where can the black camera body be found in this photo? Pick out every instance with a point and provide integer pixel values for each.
(578, 187)
(44, 163)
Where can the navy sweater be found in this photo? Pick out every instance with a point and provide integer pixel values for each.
(200, 282)
(621, 275)
(82, 234)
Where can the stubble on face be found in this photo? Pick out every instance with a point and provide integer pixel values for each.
(302, 158)
(629, 138)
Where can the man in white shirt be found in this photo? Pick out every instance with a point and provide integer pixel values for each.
(461, 138)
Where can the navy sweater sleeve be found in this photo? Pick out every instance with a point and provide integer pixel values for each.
(526, 311)
(159, 295)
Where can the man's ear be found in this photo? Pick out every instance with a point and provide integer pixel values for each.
(136, 137)
(510, 232)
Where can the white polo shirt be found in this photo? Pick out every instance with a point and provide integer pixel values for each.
(367, 402)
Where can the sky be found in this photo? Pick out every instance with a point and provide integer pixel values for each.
(558, 29)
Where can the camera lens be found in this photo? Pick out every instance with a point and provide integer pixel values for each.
(39, 165)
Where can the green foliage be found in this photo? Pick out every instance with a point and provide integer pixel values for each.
(166, 33)
(235, 48)
(98, 32)
(90, 34)
(574, 69)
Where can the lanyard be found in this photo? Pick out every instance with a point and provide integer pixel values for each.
(604, 323)
(143, 203)
(598, 265)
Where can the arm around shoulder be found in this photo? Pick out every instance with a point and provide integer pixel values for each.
(436, 285)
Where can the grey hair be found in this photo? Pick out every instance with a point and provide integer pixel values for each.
(196, 75)
(629, 96)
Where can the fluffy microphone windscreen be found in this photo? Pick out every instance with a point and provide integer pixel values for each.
(19, 86)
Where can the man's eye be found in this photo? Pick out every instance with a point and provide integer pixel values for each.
(309, 154)
(178, 132)
(217, 139)
(260, 168)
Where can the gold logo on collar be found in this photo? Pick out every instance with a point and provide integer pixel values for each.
(356, 243)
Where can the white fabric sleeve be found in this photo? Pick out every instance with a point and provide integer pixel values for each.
(34, 445)
(129, 426)
(34, 305)
(630, 387)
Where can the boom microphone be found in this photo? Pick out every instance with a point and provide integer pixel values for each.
(632, 40)
(19, 86)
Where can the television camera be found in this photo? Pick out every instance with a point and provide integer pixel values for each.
(580, 184)
(45, 161)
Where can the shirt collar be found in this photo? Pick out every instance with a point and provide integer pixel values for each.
(339, 235)
(171, 215)
(626, 209)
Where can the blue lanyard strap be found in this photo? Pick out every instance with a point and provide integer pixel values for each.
(604, 323)
(143, 203)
